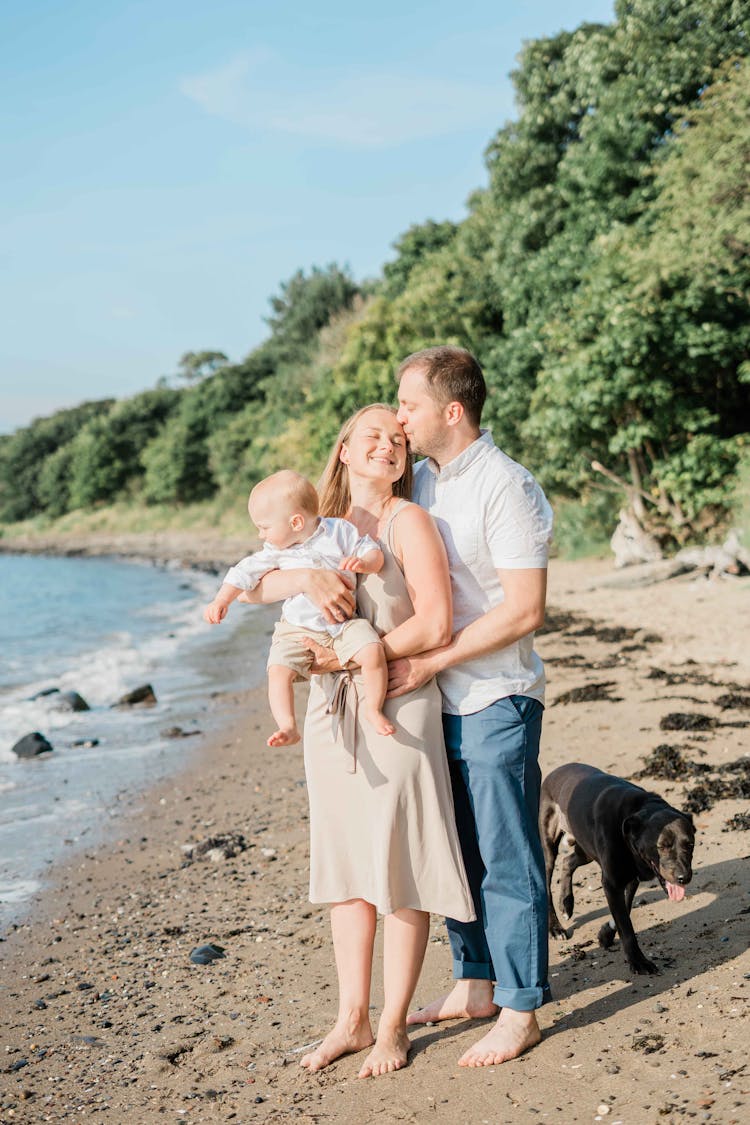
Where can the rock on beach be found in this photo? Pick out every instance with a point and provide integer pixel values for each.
(32, 745)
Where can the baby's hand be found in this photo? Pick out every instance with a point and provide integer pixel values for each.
(352, 563)
(215, 612)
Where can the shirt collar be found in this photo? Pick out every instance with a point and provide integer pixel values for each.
(478, 448)
(307, 543)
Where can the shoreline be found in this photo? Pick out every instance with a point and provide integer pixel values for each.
(189, 549)
(128, 1024)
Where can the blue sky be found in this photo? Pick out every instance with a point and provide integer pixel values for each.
(166, 165)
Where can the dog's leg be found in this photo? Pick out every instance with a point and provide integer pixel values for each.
(608, 932)
(550, 847)
(551, 834)
(617, 899)
(571, 863)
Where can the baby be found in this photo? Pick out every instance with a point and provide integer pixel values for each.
(284, 508)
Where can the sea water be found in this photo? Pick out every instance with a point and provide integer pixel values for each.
(102, 627)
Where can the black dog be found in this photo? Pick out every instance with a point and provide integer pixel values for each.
(633, 836)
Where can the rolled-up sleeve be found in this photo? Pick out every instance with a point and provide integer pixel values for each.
(519, 525)
(248, 572)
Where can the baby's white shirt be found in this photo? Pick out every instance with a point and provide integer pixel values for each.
(332, 540)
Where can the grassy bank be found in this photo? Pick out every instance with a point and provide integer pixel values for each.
(222, 517)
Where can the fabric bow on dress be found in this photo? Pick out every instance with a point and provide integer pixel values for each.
(343, 704)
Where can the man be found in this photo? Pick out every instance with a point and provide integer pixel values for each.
(496, 525)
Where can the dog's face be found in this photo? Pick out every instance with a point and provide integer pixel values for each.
(663, 840)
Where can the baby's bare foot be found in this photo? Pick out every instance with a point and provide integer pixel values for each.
(514, 1033)
(284, 736)
(382, 724)
(343, 1039)
(390, 1053)
(468, 999)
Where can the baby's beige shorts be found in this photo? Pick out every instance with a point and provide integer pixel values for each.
(287, 647)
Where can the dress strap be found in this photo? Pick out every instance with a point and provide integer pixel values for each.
(387, 536)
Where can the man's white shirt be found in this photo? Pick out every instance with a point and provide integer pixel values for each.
(332, 540)
(492, 515)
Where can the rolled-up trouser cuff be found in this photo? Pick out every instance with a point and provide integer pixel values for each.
(472, 970)
(521, 999)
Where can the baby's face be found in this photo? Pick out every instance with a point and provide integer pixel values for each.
(276, 522)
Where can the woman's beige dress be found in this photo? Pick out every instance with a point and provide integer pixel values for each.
(382, 827)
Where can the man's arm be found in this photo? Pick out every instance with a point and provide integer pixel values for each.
(327, 589)
(521, 613)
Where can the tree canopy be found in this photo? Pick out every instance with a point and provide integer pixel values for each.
(601, 276)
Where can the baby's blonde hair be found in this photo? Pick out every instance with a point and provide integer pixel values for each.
(290, 489)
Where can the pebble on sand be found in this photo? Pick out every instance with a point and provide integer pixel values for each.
(205, 954)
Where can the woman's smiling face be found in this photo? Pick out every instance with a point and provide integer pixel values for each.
(376, 447)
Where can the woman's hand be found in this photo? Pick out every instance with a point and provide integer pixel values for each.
(324, 659)
(331, 594)
(410, 672)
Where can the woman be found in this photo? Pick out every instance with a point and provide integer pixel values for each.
(382, 832)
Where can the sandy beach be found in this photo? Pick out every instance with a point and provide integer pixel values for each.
(106, 1017)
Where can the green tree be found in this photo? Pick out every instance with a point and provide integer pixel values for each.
(25, 452)
(647, 375)
(417, 243)
(105, 456)
(193, 366)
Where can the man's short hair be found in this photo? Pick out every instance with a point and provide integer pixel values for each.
(452, 375)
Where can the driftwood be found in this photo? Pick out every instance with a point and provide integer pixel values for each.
(731, 558)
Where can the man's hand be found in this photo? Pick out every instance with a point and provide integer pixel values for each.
(409, 673)
(324, 659)
(331, 593)
(215, 612)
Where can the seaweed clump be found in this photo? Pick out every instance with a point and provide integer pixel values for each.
(733, 699)
(731, 782)
(668, 763)
(687, 720)
(589, 693)
(740, 822)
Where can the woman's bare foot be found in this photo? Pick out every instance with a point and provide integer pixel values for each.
(345, 1038)
(468, 999)
(514, 1033)
(390, 1053)
(382, 724)
(284, 736)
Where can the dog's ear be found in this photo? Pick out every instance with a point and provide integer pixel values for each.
(631, 827)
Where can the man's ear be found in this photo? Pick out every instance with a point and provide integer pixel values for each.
(454, 412)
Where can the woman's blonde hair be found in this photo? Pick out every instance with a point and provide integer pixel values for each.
(333, 486)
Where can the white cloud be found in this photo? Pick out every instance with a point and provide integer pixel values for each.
(364, 108)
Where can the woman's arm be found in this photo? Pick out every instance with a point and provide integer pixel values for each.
(327, 589)
(520, 613)
(425, 564)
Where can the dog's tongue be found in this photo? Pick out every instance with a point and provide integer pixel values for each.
(675, 892)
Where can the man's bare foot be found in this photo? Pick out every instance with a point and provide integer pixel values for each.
(390, 1053)
(345, 1038)
(514, 1033)
(468, 999)
(382, 724)
(284, 736)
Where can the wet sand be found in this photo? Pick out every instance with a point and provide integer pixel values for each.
(105, 1015)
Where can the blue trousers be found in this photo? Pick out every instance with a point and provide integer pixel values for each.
(495, 774)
